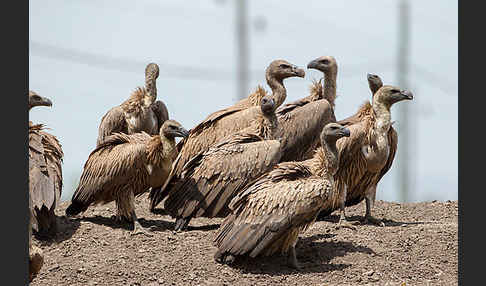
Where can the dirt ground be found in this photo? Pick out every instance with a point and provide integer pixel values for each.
(418, 246)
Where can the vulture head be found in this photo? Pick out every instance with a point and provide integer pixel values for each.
(281, 69)
(389, 95)
(374, 82)
(267, 105)
(171, 129)
(324, 64)
(152, 71)
(333, 131)
(37, 100)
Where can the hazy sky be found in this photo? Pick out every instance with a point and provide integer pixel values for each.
(87, 56)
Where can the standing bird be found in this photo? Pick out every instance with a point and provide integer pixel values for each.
(368, 154)
(222, 123)
(303, 119)
(269, 215)
(125, 166)
(140, 112)
(45, 173)
(212, 178)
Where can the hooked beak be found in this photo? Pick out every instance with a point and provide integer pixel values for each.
(182, 132)
(345, 131)
(313, 64)
(407, 94)
(370, 76)
(43, 101)
(299, 72)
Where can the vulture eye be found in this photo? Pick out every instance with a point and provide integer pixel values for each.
(394, 91)
(284, 66)
(325, 62)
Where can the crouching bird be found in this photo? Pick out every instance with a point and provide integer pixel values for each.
(268, 216)
(125, 166)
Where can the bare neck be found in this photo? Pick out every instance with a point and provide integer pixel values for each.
(327, 159)
(383, 116)
(279, 92)
(330, 85)
(150, 91)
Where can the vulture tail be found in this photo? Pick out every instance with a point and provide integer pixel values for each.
(44, 221)
(76, 207)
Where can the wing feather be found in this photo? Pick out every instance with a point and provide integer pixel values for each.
(112, 122)
(212, 178)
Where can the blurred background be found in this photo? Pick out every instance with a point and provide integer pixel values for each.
(88, 56)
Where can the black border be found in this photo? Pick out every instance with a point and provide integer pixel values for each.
(14, 166)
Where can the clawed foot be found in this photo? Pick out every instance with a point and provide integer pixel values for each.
(141, 230)
(372, 220)
(345, 224)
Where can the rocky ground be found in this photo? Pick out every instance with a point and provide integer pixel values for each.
(418, 246)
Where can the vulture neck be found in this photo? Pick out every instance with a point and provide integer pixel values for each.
(383, 117)
(269, 126)
(168, 145)
(328, 158)
(150, 91)
(379, 150)
(279, 92)
(330, 85)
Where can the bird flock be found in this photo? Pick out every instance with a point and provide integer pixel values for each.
(269, 168)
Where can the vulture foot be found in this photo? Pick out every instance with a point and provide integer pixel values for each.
(343, 223)
(371, 220)
(224, 258)
(138, 229)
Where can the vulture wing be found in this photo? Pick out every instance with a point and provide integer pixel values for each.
(113, 164)
(211, 179)
(113, 121)
(217, 126)
(53, 155)
(286, 198)
(301, 129)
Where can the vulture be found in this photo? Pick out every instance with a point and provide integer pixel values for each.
(268, 216)
(125, 166)
(212, 178)
(368, 154)
(45, 172)
(222, 123)
(301, 121)
(140, 112)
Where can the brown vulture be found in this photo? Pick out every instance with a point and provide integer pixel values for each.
(368, 154)
(125, 166)
(140, 112)
(222, 123)
(212, 178)
(45, 173)
(301, 121)
(268, 216)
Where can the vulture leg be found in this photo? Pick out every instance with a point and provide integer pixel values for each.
(292, 259)
(369, 198)
(181, 224)
(343, 222)
(137, 227)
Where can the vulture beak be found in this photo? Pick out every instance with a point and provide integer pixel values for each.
(299, 72)
(345, 131)
(406, 94)
(313, 64)
(370, 76)
(182, 132)
(43, 101)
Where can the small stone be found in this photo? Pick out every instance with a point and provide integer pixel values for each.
(369, 273)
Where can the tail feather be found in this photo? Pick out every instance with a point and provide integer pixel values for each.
(75, 208)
